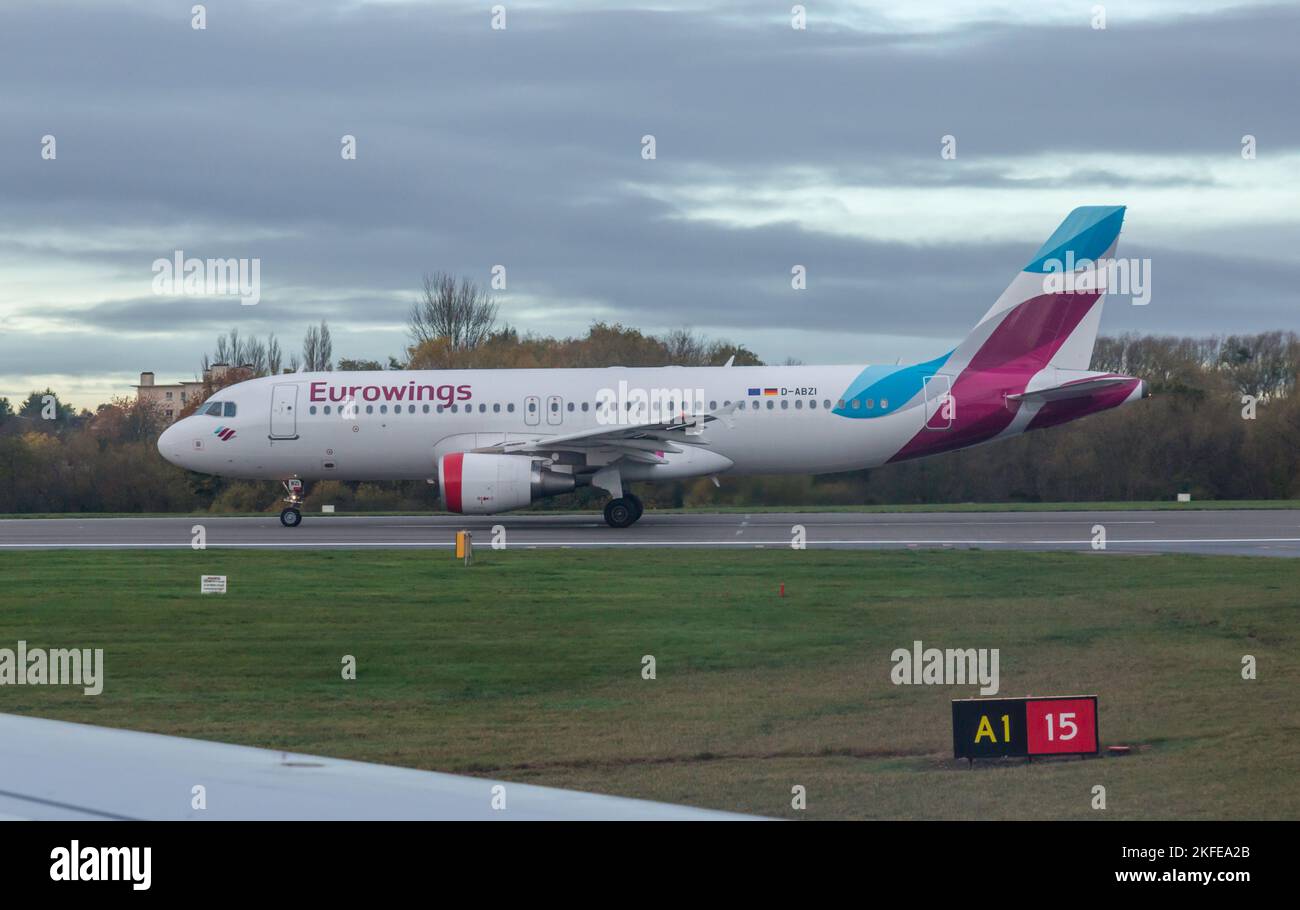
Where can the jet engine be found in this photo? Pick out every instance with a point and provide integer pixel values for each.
(479, 484)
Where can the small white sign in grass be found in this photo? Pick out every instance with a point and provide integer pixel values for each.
(212, 584)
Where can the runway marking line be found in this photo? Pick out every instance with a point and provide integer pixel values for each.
(643, 543)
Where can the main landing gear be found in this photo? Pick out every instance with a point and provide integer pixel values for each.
(291, 516)
(623, 512)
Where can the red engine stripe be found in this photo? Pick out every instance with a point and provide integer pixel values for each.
(451, 474)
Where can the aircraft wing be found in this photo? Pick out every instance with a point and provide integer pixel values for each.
(54, 770)
(644, 442)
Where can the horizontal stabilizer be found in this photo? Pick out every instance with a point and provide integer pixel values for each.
(1080, 389)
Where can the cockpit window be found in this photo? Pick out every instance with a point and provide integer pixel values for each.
(230, 409)
(213, 410)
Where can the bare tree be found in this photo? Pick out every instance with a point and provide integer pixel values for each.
(318, 348)
(261, 357)
(685, 348)
(254, 356)
(463, 313)
(326, 347)
(274, 355)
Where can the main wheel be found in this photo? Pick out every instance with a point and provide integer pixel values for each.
(290, 517)
(638, 509)
(619, 513)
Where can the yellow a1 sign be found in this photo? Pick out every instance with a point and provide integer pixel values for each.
(1023, 727)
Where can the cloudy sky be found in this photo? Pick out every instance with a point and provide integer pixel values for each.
(522, 147)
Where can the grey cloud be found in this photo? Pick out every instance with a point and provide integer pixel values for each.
(517, 147)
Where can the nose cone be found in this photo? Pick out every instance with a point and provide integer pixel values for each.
(169, 444)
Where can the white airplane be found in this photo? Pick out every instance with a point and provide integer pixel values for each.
(497, 440)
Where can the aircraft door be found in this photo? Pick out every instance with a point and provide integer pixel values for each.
(532, 410)
(554, 409)
(284, 417)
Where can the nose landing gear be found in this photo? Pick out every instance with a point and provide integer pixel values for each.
(291, 516)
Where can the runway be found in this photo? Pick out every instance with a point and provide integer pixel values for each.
(1246, 532)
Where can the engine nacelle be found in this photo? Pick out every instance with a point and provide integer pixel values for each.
(478, 484)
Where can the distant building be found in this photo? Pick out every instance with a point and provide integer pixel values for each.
(171, 398)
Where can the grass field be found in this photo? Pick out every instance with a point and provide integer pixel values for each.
(527, 666)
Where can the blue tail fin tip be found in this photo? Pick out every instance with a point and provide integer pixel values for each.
(1087, 232)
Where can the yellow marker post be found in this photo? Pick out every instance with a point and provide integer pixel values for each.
(465, 546)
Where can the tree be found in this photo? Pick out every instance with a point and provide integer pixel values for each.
(318, 349)
(274, 355)
(37, 408)
(349, 365)
(6, 410)
(261, 357)
(463, 314)
(128, 420)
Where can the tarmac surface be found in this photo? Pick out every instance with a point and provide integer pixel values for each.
(1246, 532)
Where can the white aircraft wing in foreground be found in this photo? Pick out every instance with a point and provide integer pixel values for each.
(55, 770)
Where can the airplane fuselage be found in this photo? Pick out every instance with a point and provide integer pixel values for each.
(394, 425)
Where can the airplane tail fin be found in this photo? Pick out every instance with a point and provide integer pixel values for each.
(1049, 315)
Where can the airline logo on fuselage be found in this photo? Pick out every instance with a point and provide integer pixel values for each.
(411, 391)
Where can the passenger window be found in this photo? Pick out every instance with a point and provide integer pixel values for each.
(312, 409)
(884, 402)
(496, 409)
(383, 409)
(426, 409)
(510, 408)
(785, 404)
(230, 409)
(326, 409)
(370, 409)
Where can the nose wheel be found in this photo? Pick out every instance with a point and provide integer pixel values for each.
(291, 515)
(623, 512)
